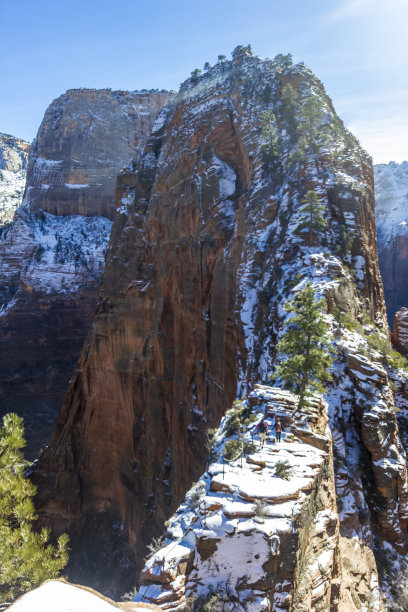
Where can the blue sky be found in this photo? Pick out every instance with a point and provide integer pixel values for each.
(358, 48)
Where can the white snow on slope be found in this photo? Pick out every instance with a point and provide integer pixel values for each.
(391, 200)
(56, 596)
(11, 193)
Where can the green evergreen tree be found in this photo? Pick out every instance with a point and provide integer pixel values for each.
(284, 61)
(196, 73)
(305, 346)
(207, 66)
(312, 218)
(310, 118)
(270, 150)
(26, 558)
(289, 105)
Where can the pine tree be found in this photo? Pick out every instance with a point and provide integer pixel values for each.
(310, 119)
(26, 558)
(305, 345)
(284, 61)
(196, 73)
(270, 149)
(312, 218)
(289, 105)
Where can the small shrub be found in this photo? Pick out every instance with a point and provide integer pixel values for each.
(259, 508)
(196, 494)
(214, 600)
(130, 595)
(232, 449)
(232, 424)
(211, 443)
(343, 319)
(283, 469)
(249, 447)
(155, 545)
(392, 358)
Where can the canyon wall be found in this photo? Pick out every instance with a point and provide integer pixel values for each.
(204, 252)
(52, 255)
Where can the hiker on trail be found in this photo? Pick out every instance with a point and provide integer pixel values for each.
(262, 432)
(278, 429)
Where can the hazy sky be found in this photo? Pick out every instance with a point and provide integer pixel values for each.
(358, 48)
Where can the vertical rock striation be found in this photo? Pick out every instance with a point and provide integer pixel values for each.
(52, 255)
(202, 256)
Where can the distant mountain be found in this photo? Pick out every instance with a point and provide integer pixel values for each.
(391, 206)
(13, 170)
(52, 255)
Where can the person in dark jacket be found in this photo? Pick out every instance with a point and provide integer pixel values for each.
(262, 432)
(278, 429)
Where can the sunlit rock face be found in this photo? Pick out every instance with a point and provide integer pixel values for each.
(202, 256)
(13, 169)
(52, 256)
(391, 204)
(85, 139)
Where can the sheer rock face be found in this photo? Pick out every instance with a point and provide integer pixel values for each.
(13, 168)
(201, 258)
(87, 136)
(52, 256)
(391, 197)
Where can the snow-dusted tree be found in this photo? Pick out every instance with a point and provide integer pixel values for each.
(312, 219)
(289, 99)
(26, 558)
(196, 73)
(270, 149)
(310, 125)
(305, 345)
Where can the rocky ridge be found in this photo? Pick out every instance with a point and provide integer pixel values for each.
(13, 169)
(202, 257)
(52, 256)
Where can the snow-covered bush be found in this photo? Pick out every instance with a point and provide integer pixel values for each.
(283, 469)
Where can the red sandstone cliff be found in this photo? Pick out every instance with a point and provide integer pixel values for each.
(200, 259)
(52, 256)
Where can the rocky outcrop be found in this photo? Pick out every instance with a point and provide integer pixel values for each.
(400, 330)
(250, 532)
(52, 256)
(13, 168)
(391, 196)
(202, 257)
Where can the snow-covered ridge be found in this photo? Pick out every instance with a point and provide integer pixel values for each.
(236, 518)
(59, 596)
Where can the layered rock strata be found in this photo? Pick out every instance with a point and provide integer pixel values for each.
(13, 169)
(52, 256)
(202, 257)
